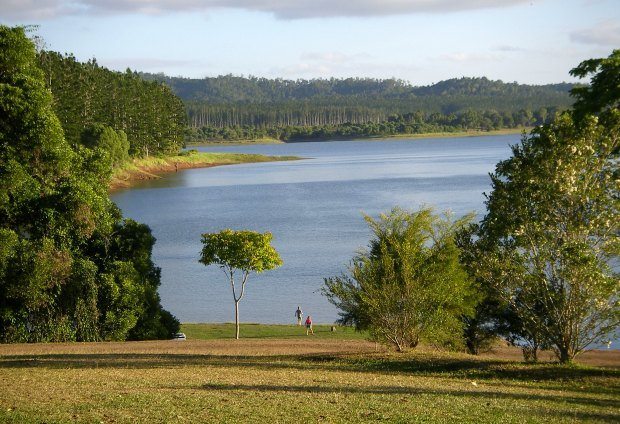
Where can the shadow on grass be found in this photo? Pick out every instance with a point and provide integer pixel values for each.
(422, 365)
(613, 404)
(485, 369)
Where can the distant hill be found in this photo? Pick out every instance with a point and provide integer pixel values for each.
(234, 89)
(231, 101)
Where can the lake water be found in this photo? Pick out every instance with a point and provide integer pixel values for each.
(314, 208)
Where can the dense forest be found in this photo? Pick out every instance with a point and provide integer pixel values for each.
(86, 94)
(230, 108)
(410, 123)
(71, 268)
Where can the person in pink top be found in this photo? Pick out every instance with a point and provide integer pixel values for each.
(309, 325)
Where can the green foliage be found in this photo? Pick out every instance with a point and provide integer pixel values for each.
(236, 108)
(87, 95)
(603, 93)
(551, 233)
(245, 251)
(410, 123)
(486, 323)
(63, 272)
(409, 285)
(114, 143)
(134, 243)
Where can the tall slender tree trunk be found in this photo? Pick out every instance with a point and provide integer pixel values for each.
(237, 319)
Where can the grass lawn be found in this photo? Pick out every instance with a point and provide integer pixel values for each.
(267, 331)
(276, 375)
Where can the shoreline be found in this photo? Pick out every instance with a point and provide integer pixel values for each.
(151, 168)
(141, 169)
(506, 131)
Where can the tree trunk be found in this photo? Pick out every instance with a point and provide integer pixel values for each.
(565, 355)
(237, 320)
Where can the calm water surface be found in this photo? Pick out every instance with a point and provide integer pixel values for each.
(314, 208)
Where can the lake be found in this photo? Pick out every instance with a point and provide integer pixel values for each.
(314, 208)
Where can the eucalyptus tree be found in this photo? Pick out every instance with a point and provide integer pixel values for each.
(243, 251)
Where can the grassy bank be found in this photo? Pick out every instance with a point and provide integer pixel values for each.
(292, 379)
(268, 331)
(152, 167)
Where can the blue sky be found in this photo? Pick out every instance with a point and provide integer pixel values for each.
(421, 41)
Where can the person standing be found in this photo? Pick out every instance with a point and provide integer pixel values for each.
(299, 314)
(309, 325)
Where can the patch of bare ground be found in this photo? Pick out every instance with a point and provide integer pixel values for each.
(242, 347)
(275, 347)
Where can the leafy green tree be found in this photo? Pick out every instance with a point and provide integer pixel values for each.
(114, 143)
(245, 251)
(481, 328)
(63, 274)
(409, 285)
(551, 233)
(603, 93)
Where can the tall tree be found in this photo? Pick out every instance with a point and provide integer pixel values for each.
(244, 251)
(553, 226)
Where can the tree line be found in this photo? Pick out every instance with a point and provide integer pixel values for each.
(418, 122)
(71, 268)
(230, 107)
(86, 94)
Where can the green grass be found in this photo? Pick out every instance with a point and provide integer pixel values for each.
(267, 331)
(161, 382)
(150, 167)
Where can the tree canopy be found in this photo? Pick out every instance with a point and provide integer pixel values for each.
(603, 92)
(246, 251)
(551, 232)
(409, 285)
(64, 271)
(87, 94)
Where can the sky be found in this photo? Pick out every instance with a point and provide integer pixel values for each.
(419, 41)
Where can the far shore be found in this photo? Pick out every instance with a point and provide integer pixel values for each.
(140, 169)
(506, 131)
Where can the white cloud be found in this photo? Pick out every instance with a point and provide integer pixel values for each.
(36, 9)
(334, 57)
(341, 65)
(282, 9)
(465, 57)
(508, 49)
(607, 33)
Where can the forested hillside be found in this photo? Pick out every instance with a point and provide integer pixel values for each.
(230, 101)
(86, 95)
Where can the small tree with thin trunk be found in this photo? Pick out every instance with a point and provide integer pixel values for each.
(242, 251)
